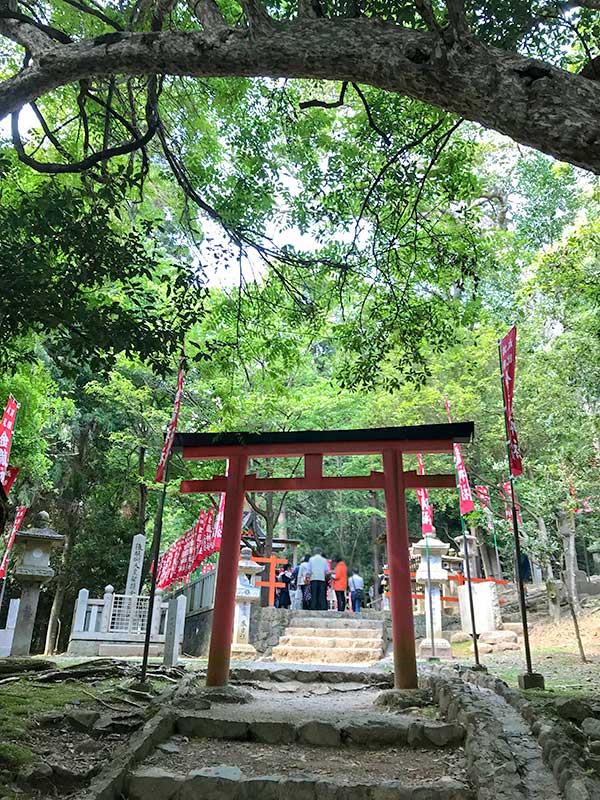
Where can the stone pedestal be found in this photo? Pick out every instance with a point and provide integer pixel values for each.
(246, 594)
(174, 630)
(485, 605)
(32, 558)
(431, 575)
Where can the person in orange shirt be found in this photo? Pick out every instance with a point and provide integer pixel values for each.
(340, 583)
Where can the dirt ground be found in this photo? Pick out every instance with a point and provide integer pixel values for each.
(347, 765)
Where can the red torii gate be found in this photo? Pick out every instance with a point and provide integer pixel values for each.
(390, 443)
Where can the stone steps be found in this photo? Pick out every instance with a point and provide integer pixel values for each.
(323, 642)
(345, 621)
(340, 633)
(328, 655)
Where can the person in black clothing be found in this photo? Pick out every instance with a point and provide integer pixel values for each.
(285, 599)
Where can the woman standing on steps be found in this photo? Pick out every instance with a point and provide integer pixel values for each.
(340, 582)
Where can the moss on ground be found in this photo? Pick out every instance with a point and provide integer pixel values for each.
(21, 702)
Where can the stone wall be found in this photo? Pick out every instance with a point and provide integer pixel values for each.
(267, 626)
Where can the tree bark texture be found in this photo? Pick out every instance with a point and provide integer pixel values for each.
(567, 532)
(534, 103)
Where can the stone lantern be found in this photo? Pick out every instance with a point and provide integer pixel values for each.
(32, 568)
(432, 575)
(246, 593)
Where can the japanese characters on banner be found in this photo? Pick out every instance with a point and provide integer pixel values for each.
(483, 495)
(426, 507)
(7, 427)
(9, 478)
(508, 352)
(17, 524)
(506, 493)
(466, 499)
(189, 551)
(166, 451)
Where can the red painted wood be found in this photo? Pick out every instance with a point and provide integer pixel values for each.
(312, 483)
(403, 636)
(222, 628)
(272, 583)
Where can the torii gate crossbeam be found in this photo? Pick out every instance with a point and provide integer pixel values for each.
(390, 443)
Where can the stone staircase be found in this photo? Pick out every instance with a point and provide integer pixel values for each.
(331, 638)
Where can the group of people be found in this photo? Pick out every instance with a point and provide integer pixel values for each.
(308, 585)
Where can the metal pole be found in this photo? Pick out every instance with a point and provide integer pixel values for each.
(515, 521)
(155, 553)
(469, 588)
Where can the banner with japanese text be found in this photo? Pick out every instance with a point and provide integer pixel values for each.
(462, 479)
(188, 552)
(170, 436)
(426, 507)
(21, 510)
(506, 493)
(10, 478)
(7, 427)
(508, 354)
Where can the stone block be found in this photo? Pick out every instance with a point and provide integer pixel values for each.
(404, 698)
(443, 734)
(218, 783)
(207, 728)
(154, 782)
(416, 734)
(321, 734)
(272, 732)
(82, 719)
(483, 648)
(517, 627)
(591, 728)
(299, 787)
(573, 709)
(531, 681)
(460, 636)
(224, 694)
(381, 733)
(441, 649)
(494, 637)
(390, 790)
(263, 787)
(504, 646)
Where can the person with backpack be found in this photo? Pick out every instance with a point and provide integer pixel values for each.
(357, 590)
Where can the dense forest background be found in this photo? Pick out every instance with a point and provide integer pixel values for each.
(357, 275)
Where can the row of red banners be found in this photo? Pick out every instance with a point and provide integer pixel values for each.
(189, 551)
(7, 427)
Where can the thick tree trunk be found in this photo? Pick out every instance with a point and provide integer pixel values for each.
(59, 593)
(534, 103)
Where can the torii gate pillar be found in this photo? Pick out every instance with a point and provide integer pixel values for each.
(405, 663)
(222, 628)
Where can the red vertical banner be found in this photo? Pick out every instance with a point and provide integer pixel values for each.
(7, 427)
(462, 479)
(21, 510)
(426, 507)
(10, 478)
(506, 493)
(166, 451)
(508, 354)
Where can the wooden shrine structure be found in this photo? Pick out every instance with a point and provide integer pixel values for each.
(312, 446)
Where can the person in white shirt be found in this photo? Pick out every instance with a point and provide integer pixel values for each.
(357, 590)
(318, 569)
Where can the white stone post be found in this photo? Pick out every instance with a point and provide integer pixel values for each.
(156, 613)
(136, 562)
(431, 575)
(107, 608)
(80, 611)
(174, 630)
(246, 594)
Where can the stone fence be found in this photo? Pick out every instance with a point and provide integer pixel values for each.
(115, 625)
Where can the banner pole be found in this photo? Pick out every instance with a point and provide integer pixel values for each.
(155, 552)
(515, 521)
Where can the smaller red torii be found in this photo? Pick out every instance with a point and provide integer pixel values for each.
(312, 446)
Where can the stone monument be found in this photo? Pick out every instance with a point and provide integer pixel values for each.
(246, 594)
(136, 563)
(432, 575)
(174, 630)
(32, 568)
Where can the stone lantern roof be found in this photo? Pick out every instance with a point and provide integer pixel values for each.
(42, 533)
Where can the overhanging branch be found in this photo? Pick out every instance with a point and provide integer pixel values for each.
(531, 101)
